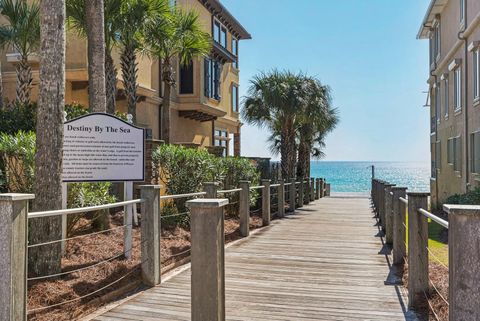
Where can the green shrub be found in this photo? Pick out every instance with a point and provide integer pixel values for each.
(75, 110)
(89, 194)
(183, 170)
(470, 198)
(18, 156)
(18, 117)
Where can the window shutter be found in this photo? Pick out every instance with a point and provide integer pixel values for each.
(207, 76)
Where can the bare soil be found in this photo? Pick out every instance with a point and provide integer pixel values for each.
(436, 308)
(89, 250)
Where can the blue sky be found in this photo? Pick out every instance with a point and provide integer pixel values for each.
(366, 50)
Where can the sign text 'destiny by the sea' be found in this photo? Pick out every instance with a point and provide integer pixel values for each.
(101, 147)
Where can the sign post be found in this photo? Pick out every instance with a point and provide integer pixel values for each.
(100, 147)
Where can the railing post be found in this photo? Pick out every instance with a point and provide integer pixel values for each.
(464, 261)
(373, 195)
(312, 189)
(417, 249)
(244, 208)
(211, 188)
(381, 203)
(322, 188)
(13, 251)
(327, 189)
(266, 212)
(208, 259)
(293, 195)
(317, 188)
(399, 221)
(301, 197)
(281, 198)
(150, 234)
(306, 191)
(388, 214)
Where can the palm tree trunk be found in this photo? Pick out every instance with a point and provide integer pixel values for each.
(96, 55)
(168, 80)
(128, 61)
(24, 80)
(48, 159)
(111, 83)
(287, 150)
(302, 159)
(308, 159)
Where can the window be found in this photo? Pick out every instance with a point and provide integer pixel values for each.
(216, 31)
(223, 37)
(219, 33)
(235, 98)
(212, 71)
(445, 96)
(435, 43)
(454, 152)
(433, 167)
(475, 151)
(457, 88)
(235, 52)
(186, 78)
(221, 140)
(462, 10)
(438, 155)
(476, 73)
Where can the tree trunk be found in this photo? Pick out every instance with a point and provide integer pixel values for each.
(166, 114)
(111, 83)
(308, 161)
(287, 150)
(169, 81)
(129, 65)
(24, 81)
(48, 159)
(96, 55)
(302, 159)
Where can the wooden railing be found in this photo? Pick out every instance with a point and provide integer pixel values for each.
(275, 199)
(405, 216)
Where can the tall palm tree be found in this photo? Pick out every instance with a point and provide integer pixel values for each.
(317, 119)
(134, 16)
(177, 35)
(77, 21)
(274, 100)
(96, 55)
(49, 144)
(22, 34)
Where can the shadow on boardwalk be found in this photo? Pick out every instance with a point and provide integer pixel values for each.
(327, 262)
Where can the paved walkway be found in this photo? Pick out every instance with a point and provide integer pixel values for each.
(324, 263)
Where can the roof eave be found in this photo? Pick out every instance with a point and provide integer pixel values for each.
(435, 8)
(218, 8)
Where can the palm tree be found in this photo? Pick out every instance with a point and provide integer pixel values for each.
(96, 55)
(318, 118)
(77, 21)
(134, 16)
(22, 33)
(274, 100)
(178, 35)
(49, 144)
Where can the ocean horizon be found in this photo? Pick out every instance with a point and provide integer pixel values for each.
(355, 176)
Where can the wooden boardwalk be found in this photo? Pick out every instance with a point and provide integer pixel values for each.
(324, 263)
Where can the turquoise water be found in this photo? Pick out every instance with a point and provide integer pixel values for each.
(356, 176)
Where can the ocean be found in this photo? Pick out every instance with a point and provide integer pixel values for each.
(355, 177)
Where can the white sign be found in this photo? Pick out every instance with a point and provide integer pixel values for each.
(101, 147)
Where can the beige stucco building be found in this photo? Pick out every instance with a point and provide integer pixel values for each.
(453, 29)
(205, 102)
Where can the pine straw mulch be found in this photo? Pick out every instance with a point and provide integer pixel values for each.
(436, 308)
(94, 249)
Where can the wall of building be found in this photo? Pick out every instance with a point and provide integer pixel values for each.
(448, 181)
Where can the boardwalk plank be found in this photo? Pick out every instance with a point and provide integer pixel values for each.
(324, 263)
